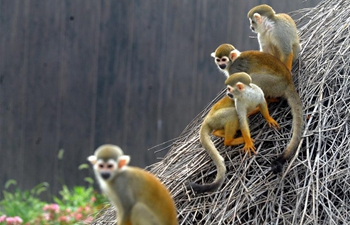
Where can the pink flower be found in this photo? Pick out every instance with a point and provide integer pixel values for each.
(18, 219)
(93, 198)
(47, 216)
(78, 216)
(2, 218)
(46, 207)
(53, 208)
(87, 209)
(64, 219)
(10, 220)
(14, 220)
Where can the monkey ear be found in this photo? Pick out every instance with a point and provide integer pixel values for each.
(257, 18)
(123, 161)
(212, 54)
(240, 86)
(92, 159)
(234, 54)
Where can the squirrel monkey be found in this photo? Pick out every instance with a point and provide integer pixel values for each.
(139, 197)
(247, 96)
(226, 117)
(273, 77)
(277, 33)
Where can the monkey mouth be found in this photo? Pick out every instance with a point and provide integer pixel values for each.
(223, 66)
(230, 95)
(252, 28)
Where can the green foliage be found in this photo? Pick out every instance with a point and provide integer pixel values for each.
(77, 197)
(25, 204)
(72, 206)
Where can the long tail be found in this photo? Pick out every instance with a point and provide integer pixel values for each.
(218, 161)
(298, 126)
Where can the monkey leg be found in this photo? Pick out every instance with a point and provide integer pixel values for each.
(236, 141)
(256, 110)
(219, 133)
(230, 131)
(253, 112)
(249, 145)
(141, 214)
(265, 112)
(289, 61)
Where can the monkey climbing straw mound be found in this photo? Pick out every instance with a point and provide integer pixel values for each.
(314, 187)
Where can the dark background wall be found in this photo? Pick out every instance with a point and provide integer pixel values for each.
(78, 74)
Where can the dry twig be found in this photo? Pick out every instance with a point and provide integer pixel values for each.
(315, 186)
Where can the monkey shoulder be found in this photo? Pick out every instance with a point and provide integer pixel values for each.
(137, 174)
(142, 177)
(286, 18)
(254, 95)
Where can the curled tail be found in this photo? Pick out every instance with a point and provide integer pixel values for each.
(298, 126)
(218, 161)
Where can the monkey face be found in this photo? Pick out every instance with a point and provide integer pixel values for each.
(229, 92)
(106, 170)
(252, 25)
(222, 62)
(235, 91)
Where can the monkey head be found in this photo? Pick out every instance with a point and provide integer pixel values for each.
(257, 16)
(224, 56)
(108, 160)
(236, 83)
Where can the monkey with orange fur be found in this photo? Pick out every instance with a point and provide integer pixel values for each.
(277, 33)
(274, 78)
(139, 197)
(228, 116)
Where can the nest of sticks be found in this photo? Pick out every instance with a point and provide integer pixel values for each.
(314, 187)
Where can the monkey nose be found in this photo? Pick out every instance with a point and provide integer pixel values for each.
(105, 175)
(222, 66)
(252, 28)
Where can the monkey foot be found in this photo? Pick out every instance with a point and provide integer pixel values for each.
(249, 148)
(273, 123)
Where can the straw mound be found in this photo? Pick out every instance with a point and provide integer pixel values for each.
(314, 187)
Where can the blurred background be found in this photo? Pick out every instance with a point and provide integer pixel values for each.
(78, 74)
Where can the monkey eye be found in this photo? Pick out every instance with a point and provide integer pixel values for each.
(229, 89)
(100, 165)
(224, 59)
(217, 59)
(110, 166)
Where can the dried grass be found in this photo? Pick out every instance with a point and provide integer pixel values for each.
(314, 187)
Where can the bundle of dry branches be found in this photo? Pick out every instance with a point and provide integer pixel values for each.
(314, 187)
